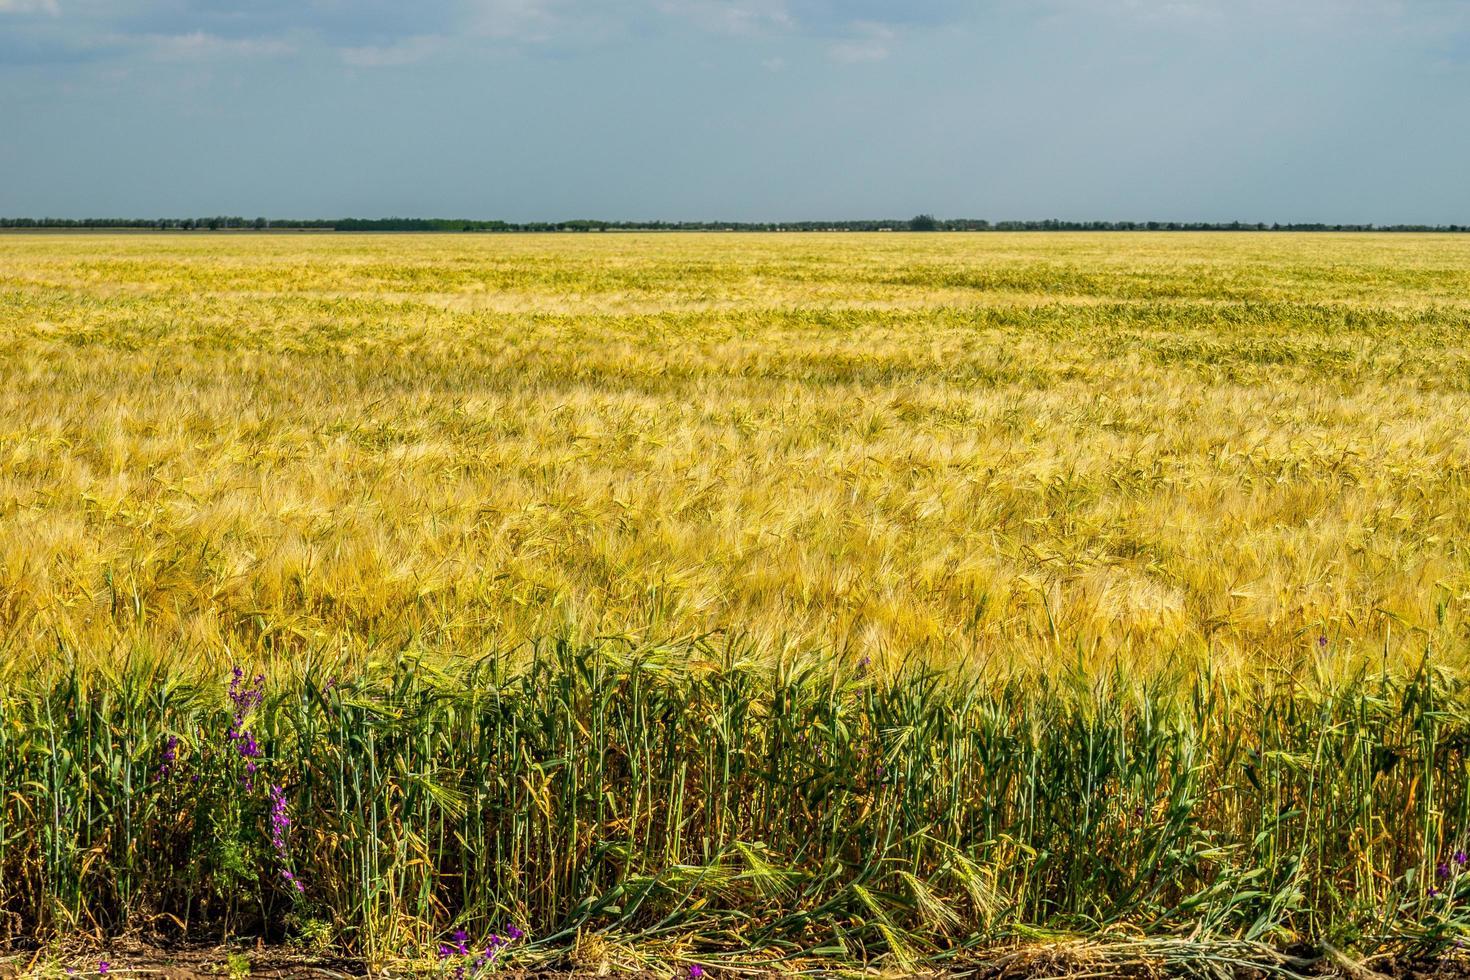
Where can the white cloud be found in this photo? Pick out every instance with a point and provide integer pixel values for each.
(199, 46)
(52, 7)
(735, 17)
(1296, 13)
(516, 20)
(1175, 10)
(871, 42)
(406, 52)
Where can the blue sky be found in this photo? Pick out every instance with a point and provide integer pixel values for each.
(1288, 110)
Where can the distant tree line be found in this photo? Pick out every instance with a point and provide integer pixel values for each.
(923, 222)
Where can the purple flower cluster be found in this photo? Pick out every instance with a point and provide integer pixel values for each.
(245, 700)
(460, 947)
(280, 825)
(170, 756)
(1446, 869)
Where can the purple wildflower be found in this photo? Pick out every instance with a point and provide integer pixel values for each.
(103, 966)
(247, 746)
(1442, 869)
(695, 971)
(487, 956)
(1460, 858)
(445, 951)
(170, 756)
(1433, 892)
(245, 700)
(280, 820)
(1322, 642)
(249, 698)
(280, 826)
(484, 958)
(244, 703)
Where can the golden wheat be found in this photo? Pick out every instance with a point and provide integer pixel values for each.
(991, 449)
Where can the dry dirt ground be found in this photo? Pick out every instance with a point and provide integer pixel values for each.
(1050, 962)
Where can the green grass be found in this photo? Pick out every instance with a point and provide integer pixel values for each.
(689, 798)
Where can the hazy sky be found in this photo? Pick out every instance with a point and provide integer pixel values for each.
(1289, 110)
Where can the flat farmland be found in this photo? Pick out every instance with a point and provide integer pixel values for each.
(1022, 605)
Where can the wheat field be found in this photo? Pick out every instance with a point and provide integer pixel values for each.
(761, 602)
(990, 449)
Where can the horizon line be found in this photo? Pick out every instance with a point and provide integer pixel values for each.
(919, 223)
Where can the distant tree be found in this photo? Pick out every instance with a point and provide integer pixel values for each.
(923, 222)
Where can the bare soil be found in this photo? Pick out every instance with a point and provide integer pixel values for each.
(212, 962)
